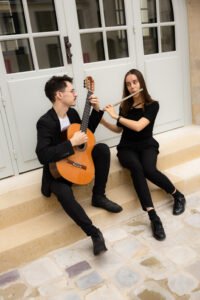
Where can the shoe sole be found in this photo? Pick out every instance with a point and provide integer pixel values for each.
(158, 239)
(103, 249)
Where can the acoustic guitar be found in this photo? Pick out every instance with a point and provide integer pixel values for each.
(79, 167)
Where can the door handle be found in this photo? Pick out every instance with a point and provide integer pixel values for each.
(68, 49)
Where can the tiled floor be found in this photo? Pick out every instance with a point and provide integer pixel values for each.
(136, 266)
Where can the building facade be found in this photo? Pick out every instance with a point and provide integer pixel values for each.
(102, 39)
(193, 9)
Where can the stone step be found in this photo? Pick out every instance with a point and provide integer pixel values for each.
(33, 238)
(31, 225)
(25, 202)
(178, 146)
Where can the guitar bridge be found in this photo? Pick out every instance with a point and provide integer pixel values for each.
(75, 164)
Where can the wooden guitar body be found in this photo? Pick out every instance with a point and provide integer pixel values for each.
(79, 167)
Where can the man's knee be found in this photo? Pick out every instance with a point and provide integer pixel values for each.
(101, 150)
(62, 190)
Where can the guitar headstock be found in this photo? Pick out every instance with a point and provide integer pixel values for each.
(89, 83)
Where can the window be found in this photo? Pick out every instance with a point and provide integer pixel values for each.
(103, 30)
(158, 26)
(17, 51)
(42, 15)
(12, 19)
(17, 55)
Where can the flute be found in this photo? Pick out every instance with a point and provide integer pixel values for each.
(129, 96)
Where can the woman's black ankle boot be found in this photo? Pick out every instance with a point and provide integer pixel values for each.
(179, 203)
(98, 243)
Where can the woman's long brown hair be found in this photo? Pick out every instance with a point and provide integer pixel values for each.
(126, 105)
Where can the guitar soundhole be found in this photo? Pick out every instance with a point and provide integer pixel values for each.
(81, 147)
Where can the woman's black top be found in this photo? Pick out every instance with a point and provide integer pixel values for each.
(143, 138)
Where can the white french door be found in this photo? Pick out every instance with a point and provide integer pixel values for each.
(165, 60)
(33, 46)
(111, 37)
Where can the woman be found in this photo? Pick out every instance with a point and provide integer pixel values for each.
(138, 150)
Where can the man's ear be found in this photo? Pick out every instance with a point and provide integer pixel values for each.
(58, 95)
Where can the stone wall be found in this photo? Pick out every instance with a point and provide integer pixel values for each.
(193, 9)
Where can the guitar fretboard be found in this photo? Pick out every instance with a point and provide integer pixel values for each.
(86, 113)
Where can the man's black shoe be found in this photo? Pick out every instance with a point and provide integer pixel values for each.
(103, 202)
(158, 230)
(98, 243)
(179, 205)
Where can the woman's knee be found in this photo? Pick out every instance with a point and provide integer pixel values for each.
(150, 171)
(130, 163)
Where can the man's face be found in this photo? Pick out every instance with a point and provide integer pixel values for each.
(68, 95)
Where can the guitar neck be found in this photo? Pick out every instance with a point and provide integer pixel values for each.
(86, 113)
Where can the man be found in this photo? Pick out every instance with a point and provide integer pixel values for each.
(51, 148)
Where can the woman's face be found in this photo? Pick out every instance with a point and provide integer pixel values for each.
(132, 83)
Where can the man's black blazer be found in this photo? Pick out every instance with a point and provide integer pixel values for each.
(50, 147)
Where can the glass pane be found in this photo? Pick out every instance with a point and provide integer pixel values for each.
(88, 14)
(48, 51)
(42, 15)
(148, 11)
(17, 56)
(168, 38)
(166, 11)
(114, 12)
(117, 44)
(92, 47)
(12, 17)
(150, 40)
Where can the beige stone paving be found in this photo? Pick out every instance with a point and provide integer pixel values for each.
(135, 267)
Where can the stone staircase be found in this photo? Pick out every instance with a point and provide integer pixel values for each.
(32, 225)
